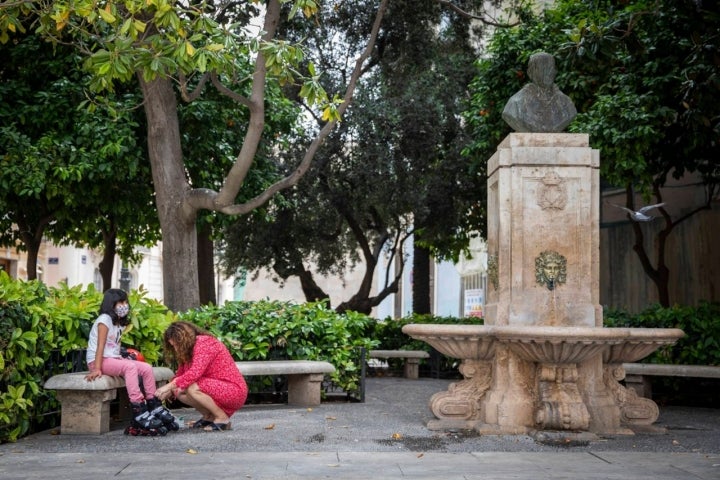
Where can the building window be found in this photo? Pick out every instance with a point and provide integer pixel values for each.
(97, 280)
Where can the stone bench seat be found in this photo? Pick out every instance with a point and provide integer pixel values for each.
(412, 359)
(637, 375)
(84, 405)
(304, 377)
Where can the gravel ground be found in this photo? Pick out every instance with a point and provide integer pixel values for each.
(392, 419)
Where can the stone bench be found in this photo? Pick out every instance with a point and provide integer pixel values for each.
(304, 377)
(84, 405)
(412, 359)
(637, 375)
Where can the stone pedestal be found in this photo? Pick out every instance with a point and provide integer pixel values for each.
(304, 390)
(85, 411)
(543, 337)
(543, 196)
(543, 205)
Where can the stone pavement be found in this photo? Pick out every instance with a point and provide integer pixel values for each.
(385, 437)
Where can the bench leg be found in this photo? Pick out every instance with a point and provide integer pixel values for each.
(640, 383)
(84, 412)
(412, 368)
(304, 390)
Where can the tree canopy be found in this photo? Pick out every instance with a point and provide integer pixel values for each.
(390, 171)
(173, 51)
(644, 78)
(73, 175)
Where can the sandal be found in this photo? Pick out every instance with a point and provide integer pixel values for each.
(217, 427)
(202, 423)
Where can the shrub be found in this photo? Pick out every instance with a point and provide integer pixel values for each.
(39, 327)
(701, 324)
(273, 329)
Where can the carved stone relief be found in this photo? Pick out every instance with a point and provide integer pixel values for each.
(552, 193)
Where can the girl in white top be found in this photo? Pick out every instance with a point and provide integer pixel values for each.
(103, 353)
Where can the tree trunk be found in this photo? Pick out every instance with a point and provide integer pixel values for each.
(32, 257)
(106, 264)
(177, 219)
(32, 244)
(312, 291)
(206, 266)
(421, 281)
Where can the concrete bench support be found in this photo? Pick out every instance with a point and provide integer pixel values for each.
(85, 406)
(637, 375)
(412, 359)
(304, 377)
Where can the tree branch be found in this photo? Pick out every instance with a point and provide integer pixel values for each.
(466, 14)
(228, 92)
(222, 202)
(191, 96)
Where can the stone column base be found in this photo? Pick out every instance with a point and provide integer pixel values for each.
(85, 411)
(304, 389)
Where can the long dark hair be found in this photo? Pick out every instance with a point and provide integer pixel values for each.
(111, 297)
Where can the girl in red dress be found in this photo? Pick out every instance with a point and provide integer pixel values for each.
(207, 378)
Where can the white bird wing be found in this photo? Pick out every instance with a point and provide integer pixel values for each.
(650, 207)
(624, 208)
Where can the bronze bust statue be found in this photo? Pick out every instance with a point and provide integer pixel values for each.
(540, 106)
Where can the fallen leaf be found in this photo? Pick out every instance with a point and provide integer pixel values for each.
(270, 427)
(420, 455)
(191, 451)
(330, 418)
(675, 442)
(309, 409)
(333, 464)
(396, 436)
(81, 461)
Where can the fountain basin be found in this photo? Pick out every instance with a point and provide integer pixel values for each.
(640, 343)
(568, 387)
(471, 342)
(543, 344)
(556, 345)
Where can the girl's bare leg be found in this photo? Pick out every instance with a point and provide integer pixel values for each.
(204, 404)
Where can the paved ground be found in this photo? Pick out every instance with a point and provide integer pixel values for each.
(385, 437)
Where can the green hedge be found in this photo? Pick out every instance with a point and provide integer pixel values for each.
(40, 325)
(701, 324)
(272, 329)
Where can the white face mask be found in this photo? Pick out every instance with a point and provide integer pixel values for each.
(122, 310)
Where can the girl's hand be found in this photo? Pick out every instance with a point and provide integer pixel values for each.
(93, 375)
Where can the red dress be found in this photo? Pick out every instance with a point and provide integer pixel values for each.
(214, 370)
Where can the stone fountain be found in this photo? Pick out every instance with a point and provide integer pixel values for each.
(543, 363)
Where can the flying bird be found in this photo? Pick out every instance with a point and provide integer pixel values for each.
(641, 215)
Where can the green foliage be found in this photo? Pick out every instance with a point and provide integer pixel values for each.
(402, 128)
(20, 358)
(389, 330)
(273, 329)
(158, 39)
(148, 320)
(60, 158)
(643, 76)
(40, 326)
(701, 324)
